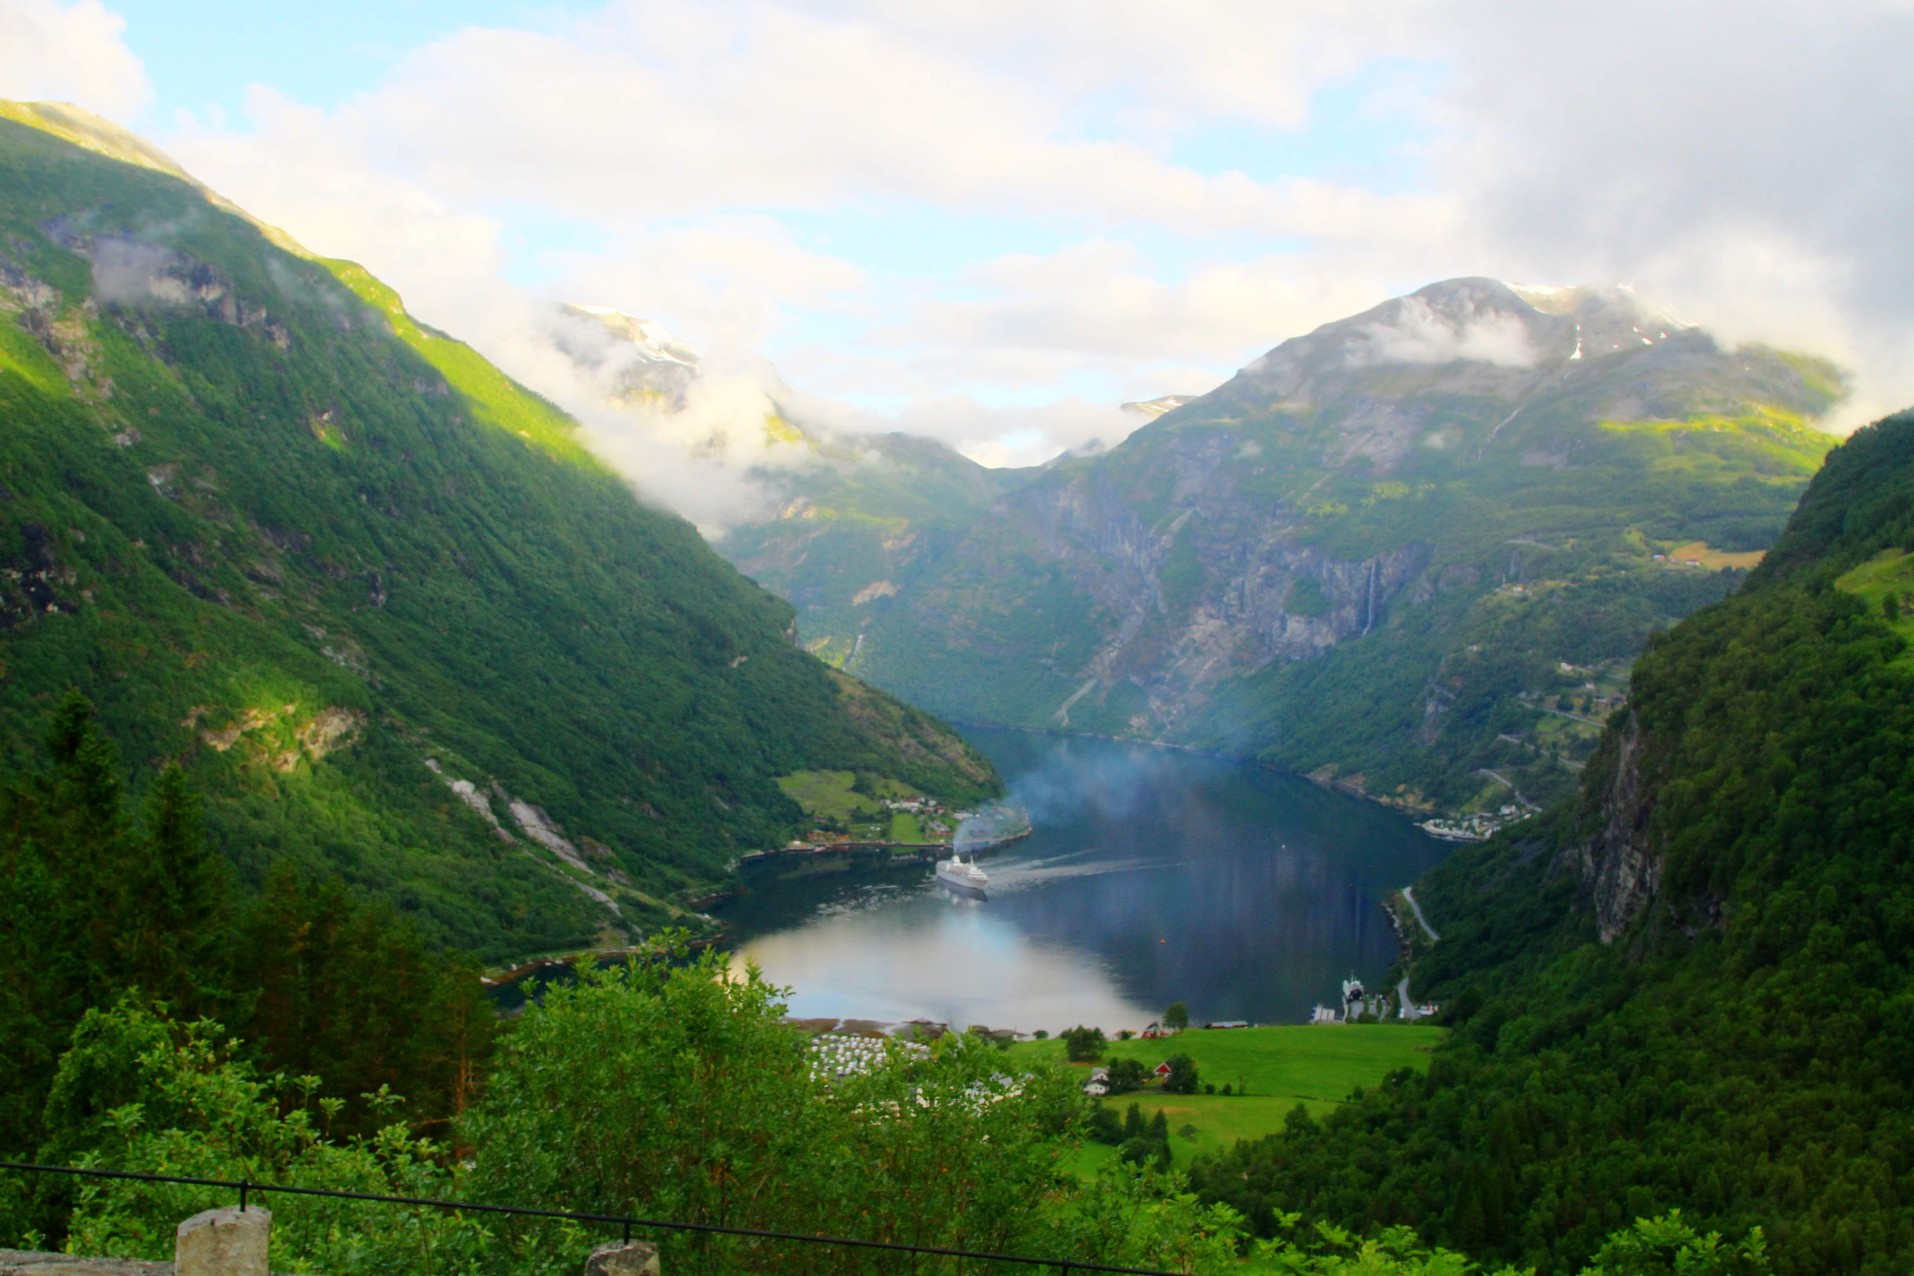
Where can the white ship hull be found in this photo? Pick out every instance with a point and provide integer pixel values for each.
(966, 879)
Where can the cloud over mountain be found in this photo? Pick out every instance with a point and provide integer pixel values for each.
(974, 215)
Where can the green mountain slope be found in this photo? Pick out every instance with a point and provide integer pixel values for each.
(379, 600)
(845, 521)
(857, 526)
(1695, 988)
(1413, 551)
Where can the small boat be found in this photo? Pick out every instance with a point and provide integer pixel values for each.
(962, 877)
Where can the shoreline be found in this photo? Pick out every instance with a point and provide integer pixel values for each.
(922, 850)
(504, 976)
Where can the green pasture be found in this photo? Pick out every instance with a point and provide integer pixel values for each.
(1889, 572)
(830, 796)
(1318, 1066)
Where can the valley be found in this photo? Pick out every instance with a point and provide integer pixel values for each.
(1391, 574)
(375, 597)
(1525, 646)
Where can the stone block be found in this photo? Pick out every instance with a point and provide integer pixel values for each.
(634, 1259)
(223, 1242)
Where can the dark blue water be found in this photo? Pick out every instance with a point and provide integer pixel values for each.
(1152, 876)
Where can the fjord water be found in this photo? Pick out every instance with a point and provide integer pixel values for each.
(1152, 875)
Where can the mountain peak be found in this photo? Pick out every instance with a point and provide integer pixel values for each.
(79, 127)
(84, 129)
(1154, 408)
(652, 338)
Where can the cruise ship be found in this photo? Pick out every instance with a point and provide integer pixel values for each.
(964, 878)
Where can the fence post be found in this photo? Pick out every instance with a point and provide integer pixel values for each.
(632, 1258)
(223, 1242)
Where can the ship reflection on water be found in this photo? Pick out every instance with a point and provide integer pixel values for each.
(1152, 876)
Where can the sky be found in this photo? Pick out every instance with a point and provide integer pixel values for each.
(994, 222)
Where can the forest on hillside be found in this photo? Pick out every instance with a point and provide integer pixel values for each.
(1743, 1048)
(165, 1025)
(371, 595)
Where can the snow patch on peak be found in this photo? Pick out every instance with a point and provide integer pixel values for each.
(650, 336)
(1551, 299)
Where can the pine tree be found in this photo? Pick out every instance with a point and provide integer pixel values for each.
(174, 914)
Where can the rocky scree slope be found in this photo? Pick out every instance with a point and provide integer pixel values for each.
(380, 602)
(1412, 552)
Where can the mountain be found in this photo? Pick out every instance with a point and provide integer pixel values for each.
(380, 602)
(858, 524)
(1693, 987)
(845, 517)
(1412, 552)
(637, 361)
(1150, 409)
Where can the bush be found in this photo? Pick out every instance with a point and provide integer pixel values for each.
(1183, 1078)
(1127, 1075)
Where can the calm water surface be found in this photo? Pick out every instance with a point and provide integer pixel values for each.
(1152, 876)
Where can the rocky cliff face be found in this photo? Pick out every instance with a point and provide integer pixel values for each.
(1417, 546)
(1213, 591)
(1619, 863)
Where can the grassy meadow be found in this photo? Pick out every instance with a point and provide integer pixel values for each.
(831, 798)
(1316, 1066)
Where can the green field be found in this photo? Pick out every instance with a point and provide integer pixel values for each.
(1318, 1067)
(1889, 572)
(829, 796)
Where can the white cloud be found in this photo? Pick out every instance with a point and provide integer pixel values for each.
(652, 109)
(1210, 58)
(69, 52)
(1740, 160)
(1716, 155)
(991, 435)
(1413, 332)
(728, 283)
(1102, 299)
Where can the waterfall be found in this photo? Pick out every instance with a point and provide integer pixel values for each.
(1369, 605)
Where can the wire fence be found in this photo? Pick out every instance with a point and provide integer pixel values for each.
(245, 1188)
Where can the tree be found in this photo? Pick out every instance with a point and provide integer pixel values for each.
(175, 919)
(348, 989)
(137, 1091)
(1183, 1078)
(678, 1091)
(1127, 1074)
(1177, 1017)
(1083, 1045)
(92, 902)
(1667, 1245)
